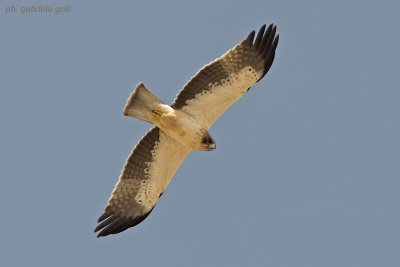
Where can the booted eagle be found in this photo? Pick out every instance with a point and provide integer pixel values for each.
(182, 127)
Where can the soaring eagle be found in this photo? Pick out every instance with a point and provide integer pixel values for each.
(182, 127)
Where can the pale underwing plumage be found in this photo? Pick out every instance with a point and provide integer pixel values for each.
(182, 127)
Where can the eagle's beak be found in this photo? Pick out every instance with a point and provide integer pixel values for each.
(211, 146)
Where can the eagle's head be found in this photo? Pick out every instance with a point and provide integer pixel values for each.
(208, 142)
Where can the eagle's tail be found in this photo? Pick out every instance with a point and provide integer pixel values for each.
(142, 104)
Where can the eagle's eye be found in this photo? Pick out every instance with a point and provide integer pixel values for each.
(208, 140)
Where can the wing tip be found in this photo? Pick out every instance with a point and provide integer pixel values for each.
(114, 224)
(266, 44)
(103, 216)
(263, 35)
(250, 38)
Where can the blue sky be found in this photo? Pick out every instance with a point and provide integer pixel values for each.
(306, 170)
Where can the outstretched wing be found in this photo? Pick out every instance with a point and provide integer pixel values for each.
(222, 82)
(145, 176)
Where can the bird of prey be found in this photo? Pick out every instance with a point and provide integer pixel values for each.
(182, 127)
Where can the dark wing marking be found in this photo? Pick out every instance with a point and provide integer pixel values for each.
(146, 174)
(222, 82)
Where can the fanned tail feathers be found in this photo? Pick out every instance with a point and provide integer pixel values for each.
(141, 104)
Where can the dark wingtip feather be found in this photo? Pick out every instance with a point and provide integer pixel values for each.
(106, 222)
(267, 40)
(273, 33)
(275, 44)
(104, 216)
(250, 38)
(265, 44)
(259, 36)
(114, 224)
(268, 32)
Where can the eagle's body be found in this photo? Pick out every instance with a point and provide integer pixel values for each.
(181, 127)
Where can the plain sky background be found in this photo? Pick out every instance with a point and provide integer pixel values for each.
(306, 170)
